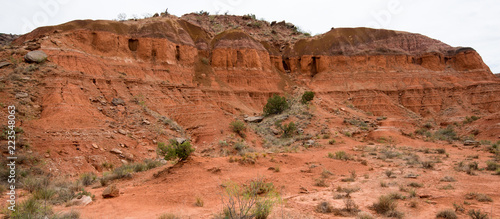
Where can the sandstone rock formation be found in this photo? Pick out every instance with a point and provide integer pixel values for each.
(182, 74)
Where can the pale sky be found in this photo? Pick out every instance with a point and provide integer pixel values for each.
(469, 23)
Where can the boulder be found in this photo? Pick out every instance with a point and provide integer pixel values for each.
(470, 143)
(110, 192)
(310, 142)
(81, 200)
(118, 101)
(3, 64)
(180, 140)
(36, 56)
(254, 119)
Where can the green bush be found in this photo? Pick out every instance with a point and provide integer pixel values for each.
(289, 130)
(275, 105)
(307, 96)
(238, 127)
(468, 120)
(174, 150)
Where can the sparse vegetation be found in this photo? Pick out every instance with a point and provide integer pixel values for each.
(88, 178)
(478, 196)
(253, 200)
(289, 130)
(339, 155)
(199, 202)
(324, 207)
(477, 214)
(471, 119)
(448, 179)
(238, 127)
(447, 134)
(175, 150)
(307, 96)
(384, 205)
(448, 214)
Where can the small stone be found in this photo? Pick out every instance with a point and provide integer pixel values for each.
(275, 131)
(118, 101)
(310, 142)
(121, 131)
(116, 151)
(146, 122)
(124, 161)
(21, 95)
(95, 146)
(82, 200)
(47, 155)
(111, 192)
(470, 143)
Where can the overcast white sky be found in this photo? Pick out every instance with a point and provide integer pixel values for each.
(456, 22)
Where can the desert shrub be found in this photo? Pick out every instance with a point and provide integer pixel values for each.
(199, 202)
(320, 182)
(44, 194)
(396, 195)
(32, 183)
(289, 130)
(88, 178)
(339, 155)
(477, 214)
(258, 187)
(275, 105)
(168, 216)
(448, 214)
(384, 204)
(448, 179)
(307, 96)
(238, 127)
(415, 184)
(395, 214)
(30, 208)
(468, 120)
(254, 200)
(478, 196)
(332, 141)
(492, 165)
(447, 134)
(174, 150)
(350, 205)
(324, 207)
(427, 164)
